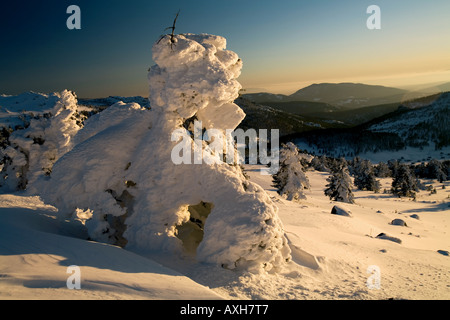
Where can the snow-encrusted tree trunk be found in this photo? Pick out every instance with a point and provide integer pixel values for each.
(147, 184)
(291, 179)
(339, 187)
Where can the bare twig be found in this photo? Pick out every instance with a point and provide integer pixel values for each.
(172, 35)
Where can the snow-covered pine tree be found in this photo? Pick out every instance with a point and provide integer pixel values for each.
(382, 170)
(320, 164)
(340, 185)
(393, 166)
(32, 150)
(446, 168)
(365, 177)
(291, 180)
(354, 165)
(404, 183)
(335, 164)
(435, 170)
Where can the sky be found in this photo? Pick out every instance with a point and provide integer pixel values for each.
(285, 45)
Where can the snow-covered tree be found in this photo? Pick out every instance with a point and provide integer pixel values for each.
(339, 187)
(393, 166)
(382, 170)
(291, 179)
(122, 177)
(320, 164)
(354, 165)
(32, 151)
(436, 170)
(365, 177)
(404, 183)
(335, 164)
(446, 168)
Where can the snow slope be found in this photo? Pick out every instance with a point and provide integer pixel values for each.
(344, 247)
(330, 253)
(36, 249)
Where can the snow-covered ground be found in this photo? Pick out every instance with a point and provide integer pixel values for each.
(36, 250)
(331, 253)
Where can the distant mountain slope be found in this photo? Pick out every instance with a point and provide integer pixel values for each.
(27, 101)
(413, 125)
(420, 127)
(304, 108)
(109, 101)
(341, 95)
(443, 87)
(265, 97)
(265, 117)
(358, 116)
(349, 95)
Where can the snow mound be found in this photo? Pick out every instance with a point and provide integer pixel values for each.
(121, 182)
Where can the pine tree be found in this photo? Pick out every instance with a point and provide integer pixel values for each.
(340, 185)
(365, 177)
(393, 166)
(404, 183)
(382, 170)
(291, 179)
(354, 165)
(319, 164)
(435, 170)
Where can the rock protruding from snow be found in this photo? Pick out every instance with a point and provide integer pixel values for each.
(398, 222)
(341, 211)
(384, 236)
(122, 178)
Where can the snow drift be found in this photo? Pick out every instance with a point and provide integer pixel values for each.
(119, 178)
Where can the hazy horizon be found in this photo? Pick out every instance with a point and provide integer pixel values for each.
(407, 84)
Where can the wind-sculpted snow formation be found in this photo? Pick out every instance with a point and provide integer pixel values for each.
(119, 178)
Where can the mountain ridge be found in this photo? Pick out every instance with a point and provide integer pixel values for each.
(345, 95)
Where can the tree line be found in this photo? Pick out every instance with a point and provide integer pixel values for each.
(291, 180)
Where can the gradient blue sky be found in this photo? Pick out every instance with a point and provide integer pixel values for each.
(285, 45)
